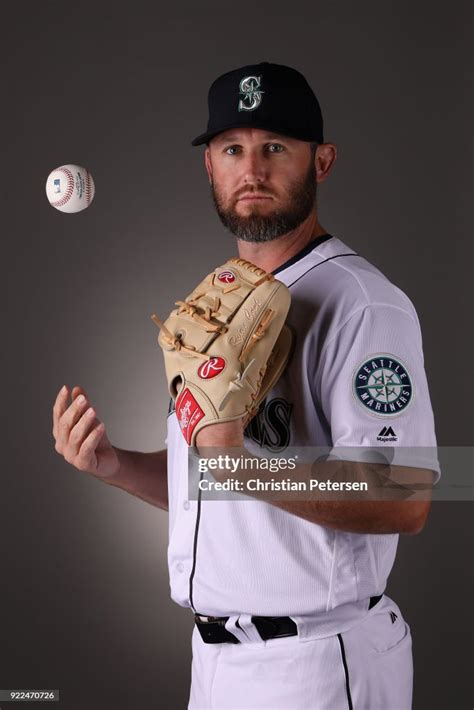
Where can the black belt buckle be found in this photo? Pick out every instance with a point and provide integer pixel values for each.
(214, 631)
(265, 626)
(271, 627)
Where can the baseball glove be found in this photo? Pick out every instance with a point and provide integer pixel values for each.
(225, 346)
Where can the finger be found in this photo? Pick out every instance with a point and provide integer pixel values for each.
(59, 407)
(80, 431)
(76, 391)
(86, 459)
(68, 419)
(61, 403)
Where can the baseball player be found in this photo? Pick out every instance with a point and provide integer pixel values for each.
(288, 595)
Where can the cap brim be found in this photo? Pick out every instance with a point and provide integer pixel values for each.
(203, 138)
(206, 137)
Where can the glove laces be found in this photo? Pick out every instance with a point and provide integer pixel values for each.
(204, 319)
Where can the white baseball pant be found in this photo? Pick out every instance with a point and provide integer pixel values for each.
(368, 667)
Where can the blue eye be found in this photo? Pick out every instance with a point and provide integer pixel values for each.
(278, 146)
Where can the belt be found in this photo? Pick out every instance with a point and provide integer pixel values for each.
(212, 628)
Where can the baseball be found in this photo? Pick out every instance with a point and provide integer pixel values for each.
(70, 188)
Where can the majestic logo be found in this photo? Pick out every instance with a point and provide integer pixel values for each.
(227, 277)
(382, 385)
(387, 434)
(250, 90)
(211, 368)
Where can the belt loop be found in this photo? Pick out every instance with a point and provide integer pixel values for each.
(233, 626)
(374, 600)
(248, 628)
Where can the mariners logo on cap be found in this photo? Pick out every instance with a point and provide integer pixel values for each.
(382, 385)
(250, 89)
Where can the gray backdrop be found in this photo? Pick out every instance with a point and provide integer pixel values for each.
(84, 594)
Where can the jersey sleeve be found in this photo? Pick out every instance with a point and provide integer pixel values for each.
(372, 387)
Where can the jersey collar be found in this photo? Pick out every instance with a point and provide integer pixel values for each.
(305, 250)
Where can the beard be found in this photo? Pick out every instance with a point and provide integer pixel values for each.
(264, 228)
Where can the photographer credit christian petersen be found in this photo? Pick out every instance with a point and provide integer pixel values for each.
(288, 595)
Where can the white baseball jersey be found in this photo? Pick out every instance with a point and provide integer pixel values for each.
(356, 379)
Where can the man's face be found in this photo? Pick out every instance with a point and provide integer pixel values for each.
(263, 184)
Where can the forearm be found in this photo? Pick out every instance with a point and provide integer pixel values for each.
(350, 496)
(366, 517)
(383, 500)
(143, 475)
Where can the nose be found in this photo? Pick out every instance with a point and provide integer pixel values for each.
(254, 168)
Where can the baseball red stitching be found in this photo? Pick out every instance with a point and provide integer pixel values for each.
(88, 188)
(70, 187)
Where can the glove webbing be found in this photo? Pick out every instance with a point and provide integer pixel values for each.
(175, 342)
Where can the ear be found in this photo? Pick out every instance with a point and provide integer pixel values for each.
(208, 164)
(326, 154)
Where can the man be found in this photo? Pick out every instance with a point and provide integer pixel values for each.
(288, 594)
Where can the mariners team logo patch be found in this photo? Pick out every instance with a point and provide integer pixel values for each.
(211, 368)
(382, 385)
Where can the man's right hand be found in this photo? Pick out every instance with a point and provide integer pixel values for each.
(80, 437)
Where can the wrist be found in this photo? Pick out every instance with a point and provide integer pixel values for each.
(124, 466)
(221, 435)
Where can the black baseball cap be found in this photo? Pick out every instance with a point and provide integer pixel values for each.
(270, 96)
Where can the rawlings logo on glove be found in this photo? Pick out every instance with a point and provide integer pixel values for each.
(211, 368)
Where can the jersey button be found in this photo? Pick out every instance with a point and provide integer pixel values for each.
(186, 505)
(180, 567)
